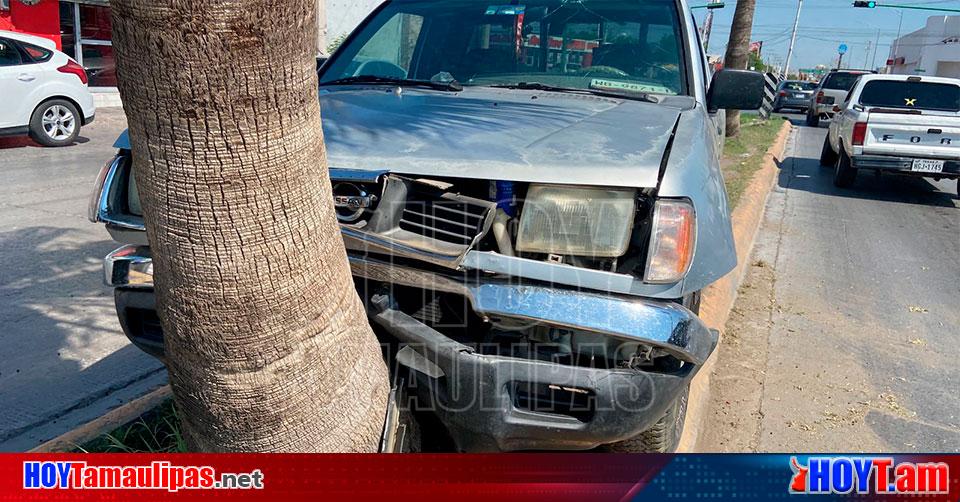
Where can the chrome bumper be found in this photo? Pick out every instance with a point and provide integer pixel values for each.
(904, 165)
(664, 325)
(477, 395)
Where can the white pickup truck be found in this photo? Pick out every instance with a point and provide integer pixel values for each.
(902, 124)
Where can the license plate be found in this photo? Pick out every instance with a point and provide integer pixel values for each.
(927, 166)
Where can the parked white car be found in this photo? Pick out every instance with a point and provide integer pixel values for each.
(44, 91)
(902, 124)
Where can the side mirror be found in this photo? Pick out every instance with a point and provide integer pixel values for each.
(736, 90)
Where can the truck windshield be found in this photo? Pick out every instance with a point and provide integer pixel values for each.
(614, 46)
(911, 95)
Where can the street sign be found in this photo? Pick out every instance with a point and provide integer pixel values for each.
(842, 49)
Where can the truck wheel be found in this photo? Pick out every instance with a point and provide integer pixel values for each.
(55, 123)
(663, 437)
(813, 120)
(845, 174)
(828, 157)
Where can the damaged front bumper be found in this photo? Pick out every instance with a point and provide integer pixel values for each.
(491, 401)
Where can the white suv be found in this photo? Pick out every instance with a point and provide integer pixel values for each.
(44, 92)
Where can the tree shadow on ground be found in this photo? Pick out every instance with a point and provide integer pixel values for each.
(61, 347)
(12, 142)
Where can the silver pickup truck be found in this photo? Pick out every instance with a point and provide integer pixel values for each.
(531, 201)
(898, 124)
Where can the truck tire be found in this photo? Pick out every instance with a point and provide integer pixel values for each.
(55, 123)
(845, 174)
(813, 120)
(828, 157)
(663, 437)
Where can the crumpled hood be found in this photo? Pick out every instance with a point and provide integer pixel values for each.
(497, 134)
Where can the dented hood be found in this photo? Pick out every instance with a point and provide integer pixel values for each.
(497, 134)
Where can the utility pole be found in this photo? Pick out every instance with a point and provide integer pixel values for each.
(793, 41)
(322, 27)
(866, 56)
(896, 47)
(876, 46)
(707, 28)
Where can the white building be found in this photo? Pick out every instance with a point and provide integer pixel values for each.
(932, 50)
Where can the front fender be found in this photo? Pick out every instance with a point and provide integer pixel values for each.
(693, 172)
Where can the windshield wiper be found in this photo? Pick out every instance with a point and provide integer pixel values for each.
(537, 86)
(372, 79)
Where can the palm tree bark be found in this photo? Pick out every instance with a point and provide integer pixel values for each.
(738, 51)
(268, 344)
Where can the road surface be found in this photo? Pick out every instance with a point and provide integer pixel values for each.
(846, 333)
(63, 358)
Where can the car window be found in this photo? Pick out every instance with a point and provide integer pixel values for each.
(36, 53)
(389, 52)
(798, 86)
(841, 81)
(910, 95)
(620, 46)
(9, 55)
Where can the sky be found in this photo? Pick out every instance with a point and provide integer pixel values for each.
(824, 25)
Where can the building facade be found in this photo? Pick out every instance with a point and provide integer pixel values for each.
(932, 50)
(81, 28)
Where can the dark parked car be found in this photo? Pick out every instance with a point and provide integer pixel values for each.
(794, 94)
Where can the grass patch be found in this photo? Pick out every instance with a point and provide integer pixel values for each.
(157, 431)
(743, 155)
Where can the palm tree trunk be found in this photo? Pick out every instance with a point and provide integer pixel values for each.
(738, 50)
(268, 344)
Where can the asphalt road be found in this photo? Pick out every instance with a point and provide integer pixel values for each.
(846, 333)
(63, 358)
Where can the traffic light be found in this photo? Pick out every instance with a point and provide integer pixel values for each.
(865, 4)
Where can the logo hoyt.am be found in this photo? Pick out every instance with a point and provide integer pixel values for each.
(868, 475)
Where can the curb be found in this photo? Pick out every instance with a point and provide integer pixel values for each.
(719, 298)
(115, 418)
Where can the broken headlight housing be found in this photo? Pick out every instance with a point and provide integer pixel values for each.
(577, 221)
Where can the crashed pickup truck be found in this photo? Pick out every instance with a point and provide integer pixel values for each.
(530, 197)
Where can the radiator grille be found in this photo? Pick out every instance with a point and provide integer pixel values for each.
(444, 217)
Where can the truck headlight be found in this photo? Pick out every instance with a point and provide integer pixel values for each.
(672, 241)
(577, 221)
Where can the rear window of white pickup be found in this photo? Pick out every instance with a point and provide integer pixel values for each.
(911, 95)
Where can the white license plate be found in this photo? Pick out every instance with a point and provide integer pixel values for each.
(927, 166)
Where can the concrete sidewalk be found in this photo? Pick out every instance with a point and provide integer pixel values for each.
(63, 358)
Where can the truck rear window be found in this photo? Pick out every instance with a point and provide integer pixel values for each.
(841, 81)
(911, 95)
